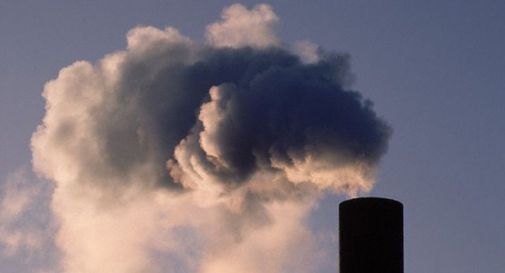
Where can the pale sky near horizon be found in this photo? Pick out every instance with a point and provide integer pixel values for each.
(434, 70)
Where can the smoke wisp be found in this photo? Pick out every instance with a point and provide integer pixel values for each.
(174, 156)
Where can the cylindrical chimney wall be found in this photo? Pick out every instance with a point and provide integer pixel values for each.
(371, 236)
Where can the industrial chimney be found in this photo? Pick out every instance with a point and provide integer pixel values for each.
(371, 236)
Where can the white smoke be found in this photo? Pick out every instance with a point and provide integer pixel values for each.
(172, 156)
(25, 226)
(17, 196)
(241, 27)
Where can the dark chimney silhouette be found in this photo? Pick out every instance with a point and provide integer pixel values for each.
(371, 236)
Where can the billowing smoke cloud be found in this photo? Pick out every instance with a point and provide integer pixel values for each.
(173, 156)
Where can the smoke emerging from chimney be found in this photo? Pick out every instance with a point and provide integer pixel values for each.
(175, 156)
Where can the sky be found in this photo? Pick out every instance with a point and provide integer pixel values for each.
(434, 70)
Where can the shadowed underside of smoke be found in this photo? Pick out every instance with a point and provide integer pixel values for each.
(273, 106)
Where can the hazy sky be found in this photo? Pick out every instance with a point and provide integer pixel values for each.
(434, 70)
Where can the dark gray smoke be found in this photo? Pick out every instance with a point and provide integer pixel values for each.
(276, 104)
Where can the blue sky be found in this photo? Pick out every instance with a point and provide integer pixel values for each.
(434, 70)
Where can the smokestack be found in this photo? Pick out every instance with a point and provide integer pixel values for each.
(371, 236)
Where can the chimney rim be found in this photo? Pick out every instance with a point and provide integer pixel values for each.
(371, 200)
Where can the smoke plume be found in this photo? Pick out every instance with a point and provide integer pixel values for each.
(174, 156)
